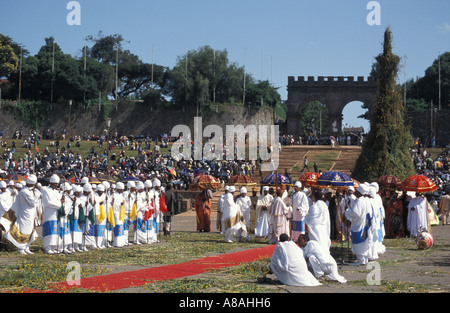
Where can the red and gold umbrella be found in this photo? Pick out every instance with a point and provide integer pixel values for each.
(389, 181)
(241, 180)
(418, 183)
(309, 179)
(204, 181)
(356, 183)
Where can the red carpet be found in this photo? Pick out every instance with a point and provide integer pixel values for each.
(141, 277)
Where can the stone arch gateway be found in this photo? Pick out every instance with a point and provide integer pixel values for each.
(333, 91)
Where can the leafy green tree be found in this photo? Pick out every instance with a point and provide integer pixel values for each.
(315, 119)
(427, 87)
(386, 149)
(8, 58)
(262, 93)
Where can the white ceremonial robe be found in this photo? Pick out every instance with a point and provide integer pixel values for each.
(141, 225)
(155, 220)
(119, 239)
(5, 203)
(263, 201)
(279, 215)
(219, 211)
(360, 218)
(232, 220)
(262, 229)
(417, 216)
(300, 208)
(245, 205)
(65, 233)
(289, 266)
(22, 215)
(51, 202)
(129, 202)
(321, 261)
(318, 221)
(99, 226)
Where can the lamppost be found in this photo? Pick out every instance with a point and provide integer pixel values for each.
(68, 130)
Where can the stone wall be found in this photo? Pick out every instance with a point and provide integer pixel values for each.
(135, 119)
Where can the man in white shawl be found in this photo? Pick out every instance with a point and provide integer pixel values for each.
(219, 224)
(377, 246)
(320, 259)
(100, 209)
(261, 215)
(417, 215)
(232, 219)
(117, 203)
(245, 205)
(300, 208)
(142, 206)
(279, 215)
(65, 244)
(130, 198)
(360, 218)
(318, 220)
(289, 265)
(22, 228)
(52, 202)
(5, 199)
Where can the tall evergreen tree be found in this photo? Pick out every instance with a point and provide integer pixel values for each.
(386, 149)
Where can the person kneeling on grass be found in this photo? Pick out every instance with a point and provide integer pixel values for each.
(320, 259)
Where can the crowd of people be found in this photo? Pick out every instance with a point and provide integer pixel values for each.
(79, 216)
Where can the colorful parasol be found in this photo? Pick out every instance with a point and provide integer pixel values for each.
(309, 179)
(94, 180)
(16, 178)
(108, 178)
(204, 181)
(334, 179)
(276, 179)
(389, 181)
(75, 180)
(418, 183)
(241, 180)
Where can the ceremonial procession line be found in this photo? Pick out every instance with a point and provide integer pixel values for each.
(74, 217)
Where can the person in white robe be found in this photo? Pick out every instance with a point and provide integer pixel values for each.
(261, 213)
(245, 205)
(65, 233)
(52, 202)
(142, 207)
(300, 208)
(318, 220)
(39, 207)
(100, 209)
(320, 259)
(88, 203)
(417, 215)
(279, 215)
(109, 231)
(5, 199)
(155, 220)
(360, 219)
(21, 216)
(130, 198)
(347, 201)
(219, 224)
(377, 246)
(232, 219)
(118, 202)
(289, 265)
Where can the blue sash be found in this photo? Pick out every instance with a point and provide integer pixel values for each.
(361, 236)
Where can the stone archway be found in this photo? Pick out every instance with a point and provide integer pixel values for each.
(334, 92)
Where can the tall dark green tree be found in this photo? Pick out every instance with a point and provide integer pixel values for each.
(386, 149)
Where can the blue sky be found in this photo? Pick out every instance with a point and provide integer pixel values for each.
(281, 38)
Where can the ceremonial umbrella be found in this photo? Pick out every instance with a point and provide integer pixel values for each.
(130, 178)
(356, 183)
(74, 180)
(439, 164)
(389, 181)
(205, 181)
(309, 179)
(94, 180)
(334, 179)
(276, 179)
(108, 178)
(241, 180)
(418, 183)
(15, 178)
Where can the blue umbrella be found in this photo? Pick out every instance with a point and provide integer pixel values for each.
(271, 180)
(130, 178)
(334, 179)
